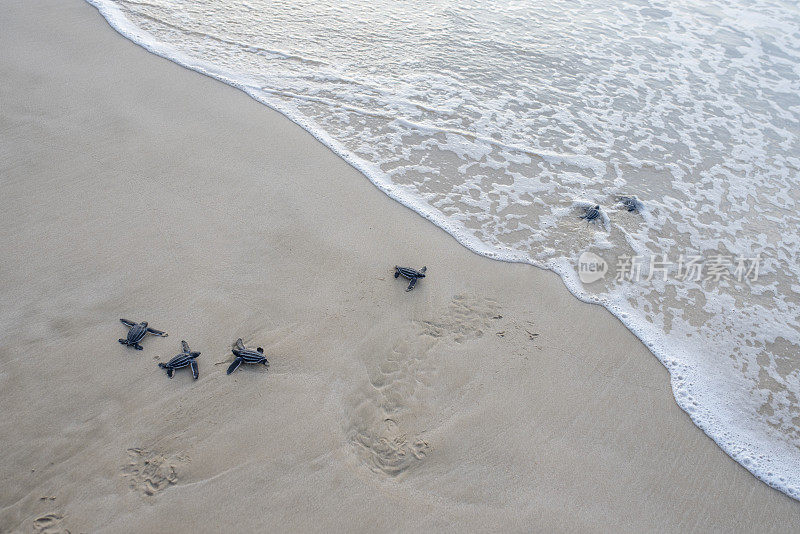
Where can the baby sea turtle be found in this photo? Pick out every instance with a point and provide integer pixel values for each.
(630, 203)
(184, 359)
(137, 332)
(409, 274)
(590, 214)
(244, 355)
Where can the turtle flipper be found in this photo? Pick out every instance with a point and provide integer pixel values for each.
(127, 322)
(235, 365)
(411, 284)
(156, 332)
(239, 345)
(185, 346)
(195, 372)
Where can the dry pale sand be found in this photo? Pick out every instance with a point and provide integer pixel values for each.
(130, 187)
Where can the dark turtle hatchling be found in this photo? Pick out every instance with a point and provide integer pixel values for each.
(137, 332)
(631, 203)
(409, 274)
(184, 359)
(591, 214)
(244, 355)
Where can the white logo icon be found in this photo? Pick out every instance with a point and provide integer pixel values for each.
(591, 267)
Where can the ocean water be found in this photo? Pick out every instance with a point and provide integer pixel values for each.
(502, 121)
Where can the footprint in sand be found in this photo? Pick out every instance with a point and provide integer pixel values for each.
(464, 319)
(149, 472)
(390, 452)
(50, 524)
(397, 389)
(402, 377)
(392, 413)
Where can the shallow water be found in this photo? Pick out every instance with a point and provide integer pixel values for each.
(502, 121)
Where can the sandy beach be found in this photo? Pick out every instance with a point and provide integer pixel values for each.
(487, 399)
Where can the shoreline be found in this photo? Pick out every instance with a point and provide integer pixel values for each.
(141, 189)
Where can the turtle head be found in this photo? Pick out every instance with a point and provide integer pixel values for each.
(143, 324)
(422, 272)
(597, 207)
